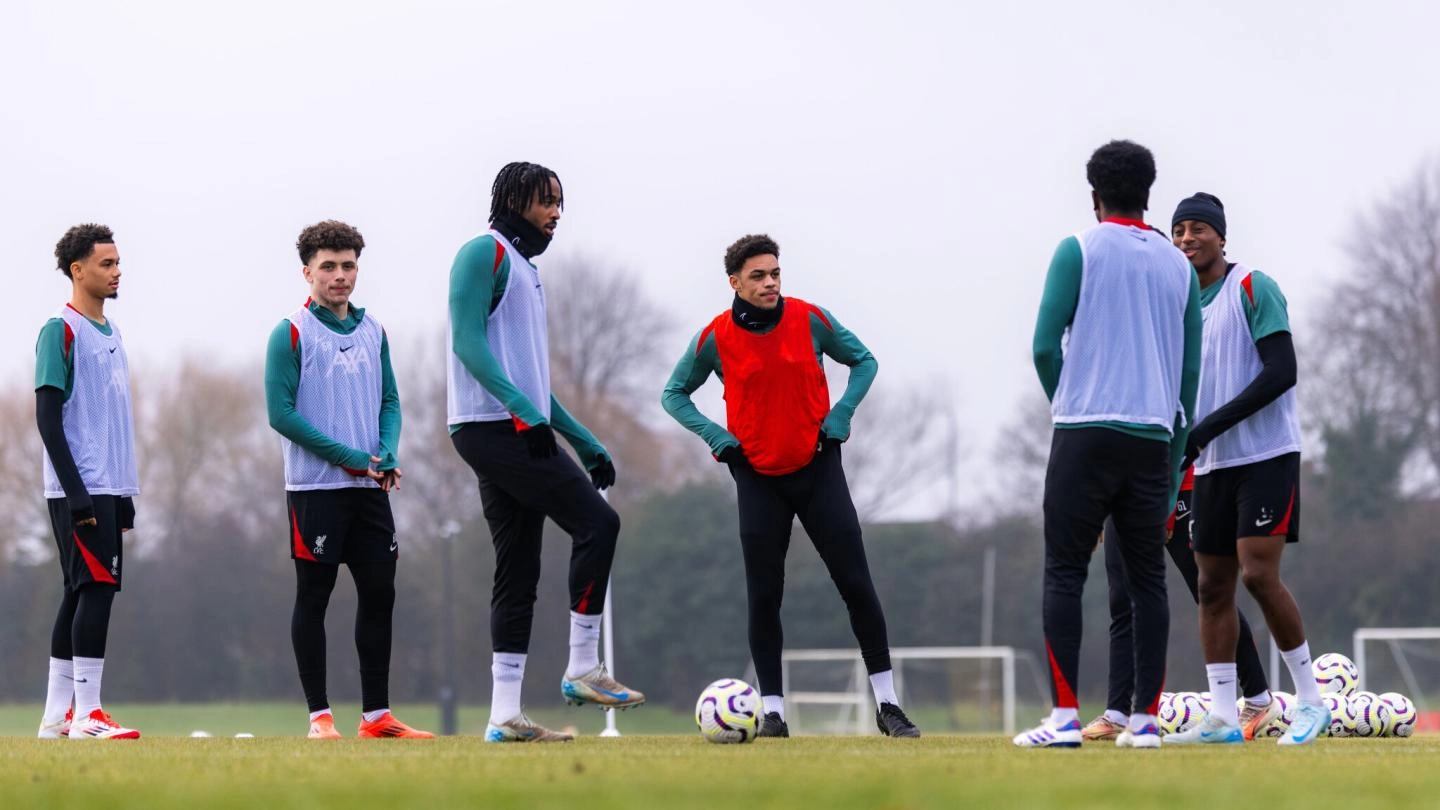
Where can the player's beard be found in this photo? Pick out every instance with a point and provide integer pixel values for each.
(114, 295)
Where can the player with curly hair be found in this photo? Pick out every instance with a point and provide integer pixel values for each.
(782, 443)
(331, 395)
(86, 423)
(1125, 306)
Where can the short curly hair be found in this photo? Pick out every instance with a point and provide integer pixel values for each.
(748, 247)
(332, 234)
(1121, 172)
(79, 242)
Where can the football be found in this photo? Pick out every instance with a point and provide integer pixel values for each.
(1180, 712)
(1336, 675)
(1401, 715)
(1371, 716)
(728, 712)
(1342, 717)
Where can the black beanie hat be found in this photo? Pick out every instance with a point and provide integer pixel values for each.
(1201, 207)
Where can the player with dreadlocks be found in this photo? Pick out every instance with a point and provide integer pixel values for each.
(503, 419)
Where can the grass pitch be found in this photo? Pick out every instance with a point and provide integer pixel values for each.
(684, 771)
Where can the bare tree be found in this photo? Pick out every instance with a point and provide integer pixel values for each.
(610, 350)
(1377, 353)
(903, 442)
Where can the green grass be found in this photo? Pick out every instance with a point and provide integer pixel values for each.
(291, 720)
(833, 773)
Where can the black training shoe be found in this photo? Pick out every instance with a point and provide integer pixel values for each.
(893, 722)
(773, 726)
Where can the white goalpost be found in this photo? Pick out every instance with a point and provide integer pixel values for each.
(1393, 637)
(853, 706)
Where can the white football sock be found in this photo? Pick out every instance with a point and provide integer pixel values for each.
(60, 690)
(508, 671)
(1262, 699)
(774, 703)
(1118, 718)
(883, 685)
(1139, 721)
(316, 715)
(1060, 717)
(1222, 679)
(87, 685)
(371, 717)
(1302, 672)
(584, 644)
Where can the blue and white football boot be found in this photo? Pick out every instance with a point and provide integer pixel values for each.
(1048, 736)
(1311, 720)
(1210, 729)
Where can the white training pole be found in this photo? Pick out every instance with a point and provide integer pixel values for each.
(607, 637)
(607, 630)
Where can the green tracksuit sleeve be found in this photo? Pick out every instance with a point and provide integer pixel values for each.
(1057, 311)
(841, 345)
(282, 381)
(587, 447)
(1189, 381)
(472, 290)
(694, 368)
(389, 411)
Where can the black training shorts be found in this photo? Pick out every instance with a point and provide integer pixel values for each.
(1254, 500)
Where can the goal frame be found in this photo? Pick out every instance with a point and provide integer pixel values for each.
(859, 698)
(1392, 635)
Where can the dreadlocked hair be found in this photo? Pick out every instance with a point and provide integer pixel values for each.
(517, 185)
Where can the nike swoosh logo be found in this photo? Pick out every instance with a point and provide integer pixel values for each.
(112, 351)
(394, 546)
(512, 666)
(1223, 683)
(1264, 522)
(82, 680)
(588, 626)
(347, 348)
(616, 695)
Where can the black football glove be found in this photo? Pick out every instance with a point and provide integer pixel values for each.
(602, 475)
(540, 440)
(734, 455)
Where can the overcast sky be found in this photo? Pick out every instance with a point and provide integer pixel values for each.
(917, 161)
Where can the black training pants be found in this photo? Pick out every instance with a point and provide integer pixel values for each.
(1122, 635)
(820, 497)
(1095, 473)
(518, 493)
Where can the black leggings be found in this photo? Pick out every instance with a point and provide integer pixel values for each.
(83, 622)
(1122, 621)
(1095, 473)
(375, 592)
(518, 492)
(819, 495)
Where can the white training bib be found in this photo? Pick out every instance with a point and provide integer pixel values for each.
(340, 394)
(517, 334)
(98, 419)
(1125, 348)
(1229, 362)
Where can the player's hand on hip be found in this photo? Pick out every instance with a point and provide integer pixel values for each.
(734, 456)
(540, 441)
(603, 473)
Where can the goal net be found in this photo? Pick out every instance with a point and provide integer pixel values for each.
(943, 689)
(1404, 660)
